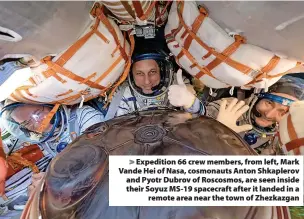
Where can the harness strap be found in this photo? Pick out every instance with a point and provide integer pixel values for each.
(72, 122)
(234, 64)
(115, 102)
(134, 100)
(48, 119)
(294, 144)
(138, 8)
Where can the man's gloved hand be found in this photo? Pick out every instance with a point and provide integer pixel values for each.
(181, 95)
(228, 115)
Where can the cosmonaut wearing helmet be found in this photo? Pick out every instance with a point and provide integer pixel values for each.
(152, 83)
(23, 121)
(257, 121)
(290, 140)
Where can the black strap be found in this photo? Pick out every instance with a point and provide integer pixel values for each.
(12, 149)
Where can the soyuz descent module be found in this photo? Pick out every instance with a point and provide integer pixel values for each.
(77, 181)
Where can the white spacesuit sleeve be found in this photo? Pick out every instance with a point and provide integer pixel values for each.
(88, 116)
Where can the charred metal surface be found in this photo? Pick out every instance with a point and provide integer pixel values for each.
(76, 184)
(149, 134)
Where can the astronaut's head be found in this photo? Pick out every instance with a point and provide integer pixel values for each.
(24, 121)
(146, 75)
(271, 111)
(151, 72)
(273, 105)
(29, 116)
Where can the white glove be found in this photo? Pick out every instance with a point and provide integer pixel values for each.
(180, 94)
(230, 114)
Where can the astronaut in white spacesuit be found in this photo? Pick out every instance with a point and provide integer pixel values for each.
(257, 121)
(23, 121)
(152, 83)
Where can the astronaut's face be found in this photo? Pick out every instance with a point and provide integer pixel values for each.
(271, 112)
(31, 116)
(146, 74)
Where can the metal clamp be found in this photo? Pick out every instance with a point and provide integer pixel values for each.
(147, 31)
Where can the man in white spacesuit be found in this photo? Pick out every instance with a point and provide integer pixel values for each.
(259, 124)
(23, 121)
(152, 83)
